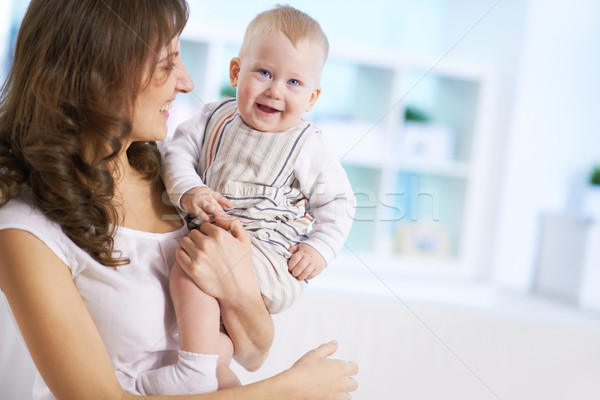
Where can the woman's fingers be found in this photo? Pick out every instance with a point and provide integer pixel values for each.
(193, 247)
(183, 259)
(220, 261)
(194, 240)
(352, 368)
(326, 349)
(233, 225)
(327, 378)
(352, 384)
(225, 222)
(237, 229)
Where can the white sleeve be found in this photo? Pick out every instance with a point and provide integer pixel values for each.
(331, 199)
(182, 155)
(21, 214)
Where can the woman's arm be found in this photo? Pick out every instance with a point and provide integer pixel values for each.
(314, 376)
(70, 355)
(58, 330)
(220, 262)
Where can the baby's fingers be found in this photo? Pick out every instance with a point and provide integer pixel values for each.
(224, 201)
(306, 271)
(212, 206)
(294, 260)
(299, 268)
(199, 212)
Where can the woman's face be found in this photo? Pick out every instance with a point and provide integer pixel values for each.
(151, 109)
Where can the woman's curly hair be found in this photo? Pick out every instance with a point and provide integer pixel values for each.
(66, 108)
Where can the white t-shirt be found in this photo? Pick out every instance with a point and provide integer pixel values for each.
(130, 305)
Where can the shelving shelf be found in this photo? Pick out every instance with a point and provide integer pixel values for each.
(421, 187)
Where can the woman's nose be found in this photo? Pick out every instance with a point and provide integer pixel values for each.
(184, 81)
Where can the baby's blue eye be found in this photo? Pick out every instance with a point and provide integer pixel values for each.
(293, 82)
(265, 73)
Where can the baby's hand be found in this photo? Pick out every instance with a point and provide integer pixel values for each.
(306, 262)
(202, 201)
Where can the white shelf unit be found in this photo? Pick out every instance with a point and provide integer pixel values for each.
(437, 204)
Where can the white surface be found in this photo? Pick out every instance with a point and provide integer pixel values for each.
(418, 341)
(16, 366)
(560, 261)
(506, 348)
(590, 283)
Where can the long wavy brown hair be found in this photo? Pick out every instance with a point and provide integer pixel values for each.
(65, 108)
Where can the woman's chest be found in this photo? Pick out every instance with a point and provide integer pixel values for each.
(130, 304)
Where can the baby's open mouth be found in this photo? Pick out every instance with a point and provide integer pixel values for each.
(267, 109)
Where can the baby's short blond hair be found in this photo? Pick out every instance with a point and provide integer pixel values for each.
(293, 23)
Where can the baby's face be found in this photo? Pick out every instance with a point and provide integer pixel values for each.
(276, 82)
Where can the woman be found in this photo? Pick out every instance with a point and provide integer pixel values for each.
(86, 241)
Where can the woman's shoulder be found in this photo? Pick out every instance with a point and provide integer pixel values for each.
(20, 207)
(20, 213)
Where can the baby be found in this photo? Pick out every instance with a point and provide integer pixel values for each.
(257, 157)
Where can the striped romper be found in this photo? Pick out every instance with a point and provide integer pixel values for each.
(254, 170)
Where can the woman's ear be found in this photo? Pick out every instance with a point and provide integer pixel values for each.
(234, 71)
(313, 98)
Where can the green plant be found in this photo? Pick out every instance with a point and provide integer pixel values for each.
(413, 114)
(227, 91)
(595, 176)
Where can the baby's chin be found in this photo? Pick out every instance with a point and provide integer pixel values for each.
(268, 127)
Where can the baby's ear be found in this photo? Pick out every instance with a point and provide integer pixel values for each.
(234, 71)
(313, 98)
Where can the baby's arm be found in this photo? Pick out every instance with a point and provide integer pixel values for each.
(181, 159)
(181, 162)
(331, 202)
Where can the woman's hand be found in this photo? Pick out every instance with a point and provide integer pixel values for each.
(319, 377)
(219, 259)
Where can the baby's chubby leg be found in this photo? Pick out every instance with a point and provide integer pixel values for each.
(198, 322)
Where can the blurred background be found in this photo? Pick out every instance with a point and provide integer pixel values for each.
(470, 133)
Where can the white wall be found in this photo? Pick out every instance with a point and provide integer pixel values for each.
(5, 14)
(554, 134)
(489, 32)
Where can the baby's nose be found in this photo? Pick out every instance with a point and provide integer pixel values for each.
(274, 90)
